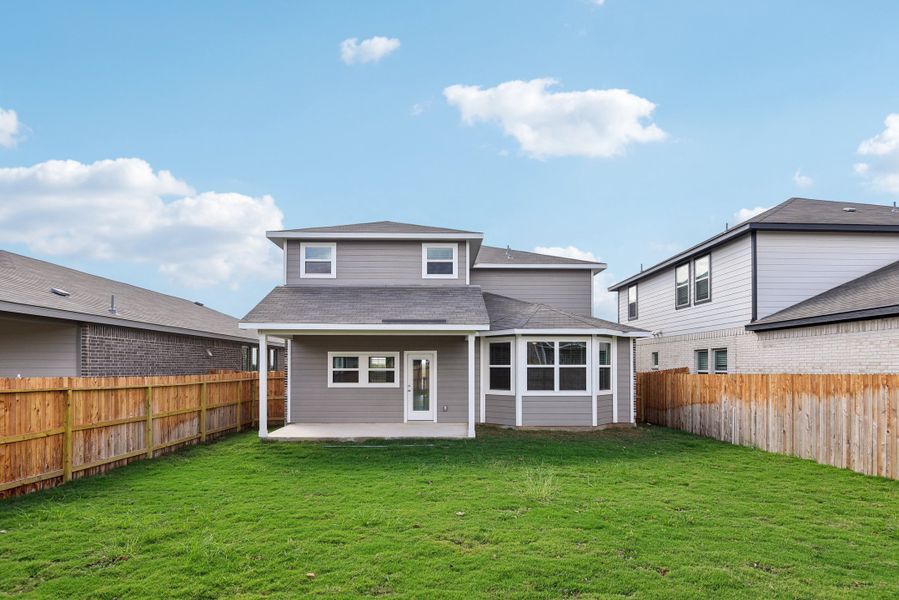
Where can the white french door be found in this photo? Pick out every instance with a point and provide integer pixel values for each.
(421, 378)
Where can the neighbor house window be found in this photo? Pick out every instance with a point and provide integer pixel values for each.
(682, 286)
(254, 358)
(720, 357)
(655, 361)
(363, 369)
(605, 367)
(272, 359)
(557, 366)
(632, 303)
(702, 362)
(318, 259)
(499, 365)
(702, 279)
(438, 261)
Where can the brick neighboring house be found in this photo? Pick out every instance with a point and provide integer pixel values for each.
(56, 321)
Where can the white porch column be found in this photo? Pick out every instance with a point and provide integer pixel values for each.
(594, 374)
(632, 359)
(614, 359)
(470, 337)
(521, 360)
(484, 363)
(263, 385)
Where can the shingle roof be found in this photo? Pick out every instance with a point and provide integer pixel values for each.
(376, 227)
(26, 282)
(873, 295)
(367, 305)
(495, 256)
(511, 313)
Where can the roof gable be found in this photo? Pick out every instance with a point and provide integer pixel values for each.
(376, 227)
(492, 255)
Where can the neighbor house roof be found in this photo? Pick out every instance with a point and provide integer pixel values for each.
(511, 314)
(795, 214)
(875, 294)
(493, 257)
(27, 288)
(387, 307)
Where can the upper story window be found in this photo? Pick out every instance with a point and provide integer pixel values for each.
(438, 261)
(557, 366)
(682, 286)
(318, 259)
(632, 303)
(702, 279)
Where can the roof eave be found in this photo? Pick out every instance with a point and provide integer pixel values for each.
(378, 328)
(855, 315)
(585, 266)
(277, 236)
(568, 331)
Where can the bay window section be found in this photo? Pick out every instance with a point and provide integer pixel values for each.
(557, 366)
(499, 365)
(604, 383)
(363, 369)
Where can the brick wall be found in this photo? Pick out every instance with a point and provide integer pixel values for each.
(854, 347)
(107, 350)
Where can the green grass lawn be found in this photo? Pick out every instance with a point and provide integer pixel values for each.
(645, 513)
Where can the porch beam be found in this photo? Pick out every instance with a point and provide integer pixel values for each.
(263, 385)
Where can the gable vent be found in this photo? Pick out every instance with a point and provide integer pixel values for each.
(60, 292)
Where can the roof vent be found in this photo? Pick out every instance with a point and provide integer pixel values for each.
(848, 209)
(894, 209)
(112, 309)
(60, 292)
(198, 303)
(508, 252)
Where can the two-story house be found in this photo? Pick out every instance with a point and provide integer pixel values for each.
(397, 330)
(809, 286)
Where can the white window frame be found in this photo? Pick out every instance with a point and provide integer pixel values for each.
(556, 367)
(512, 366)
(707, 277)
(425, 261)
(609, 366)
(364, 369)
(635, 302)
(686, 284)
(713, 363)
(332, 246)
(696, 361)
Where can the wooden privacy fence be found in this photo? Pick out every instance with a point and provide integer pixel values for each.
(55, 429)
(848, 421)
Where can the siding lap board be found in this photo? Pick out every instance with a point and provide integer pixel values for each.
(565, 289)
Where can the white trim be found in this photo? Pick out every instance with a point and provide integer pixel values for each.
(263, 385)
(483, 387)
(364, 327)
(467, 263)
(470, 385)
(332, 246)
(520, 352)
(614, 381)
(591, 266)
(299, 235)
(631, 352)
(408, 356)
(425, 246)
(284, 256)
(363, 369)
(573, 331)
(511, 342)
(592, 292)
(610, 366)
(288, 386)
(557, 366)
(595, 356)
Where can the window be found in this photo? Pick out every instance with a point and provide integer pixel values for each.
(363, 369)
(499, 364)
(632, 303)
(702, 279)
(655, 361)
(438, 261)
(254, 358)
(720, 356)
(702, 362)
(272, 359)
(605, 367)
(682, 286)
(318, 259)
(557, 366)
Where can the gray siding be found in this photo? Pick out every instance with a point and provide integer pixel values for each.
(375, 262)
(500, 409)
(38, 348)
(731, 304)
(794, 266)
(624, 380)
(312, 401)
(565, 289)
(556, 410)
(604, 409)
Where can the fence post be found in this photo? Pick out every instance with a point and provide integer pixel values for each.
(203, 412)
(239, 407)
(148, 425)
(67, 443)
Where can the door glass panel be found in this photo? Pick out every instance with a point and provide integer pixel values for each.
(421, 384)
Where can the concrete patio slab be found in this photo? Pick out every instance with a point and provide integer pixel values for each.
(367, 431)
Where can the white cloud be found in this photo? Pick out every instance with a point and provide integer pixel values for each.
(882, 170)
(747, 213)
(123, 210)
(417, 109)
(592, 123)
(599, 2)
(11, 130)
(802, 181)
(373, 49)
(605, 303)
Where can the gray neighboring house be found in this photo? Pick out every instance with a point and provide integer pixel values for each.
(809, 286)
(397, 330)
(57, 322)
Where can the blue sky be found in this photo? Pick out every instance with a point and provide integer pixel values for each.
(240, 115)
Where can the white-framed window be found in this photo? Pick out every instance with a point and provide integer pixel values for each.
(500, 358)
(272, 359)
(254, 358)
(655, 361)
(702, 361)
(439, 261)
(318, 260)
(363, 369)
(719, 357)
(557, 366)
(632, 303)
(604, 383)
(682, 286)
(702, 279)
